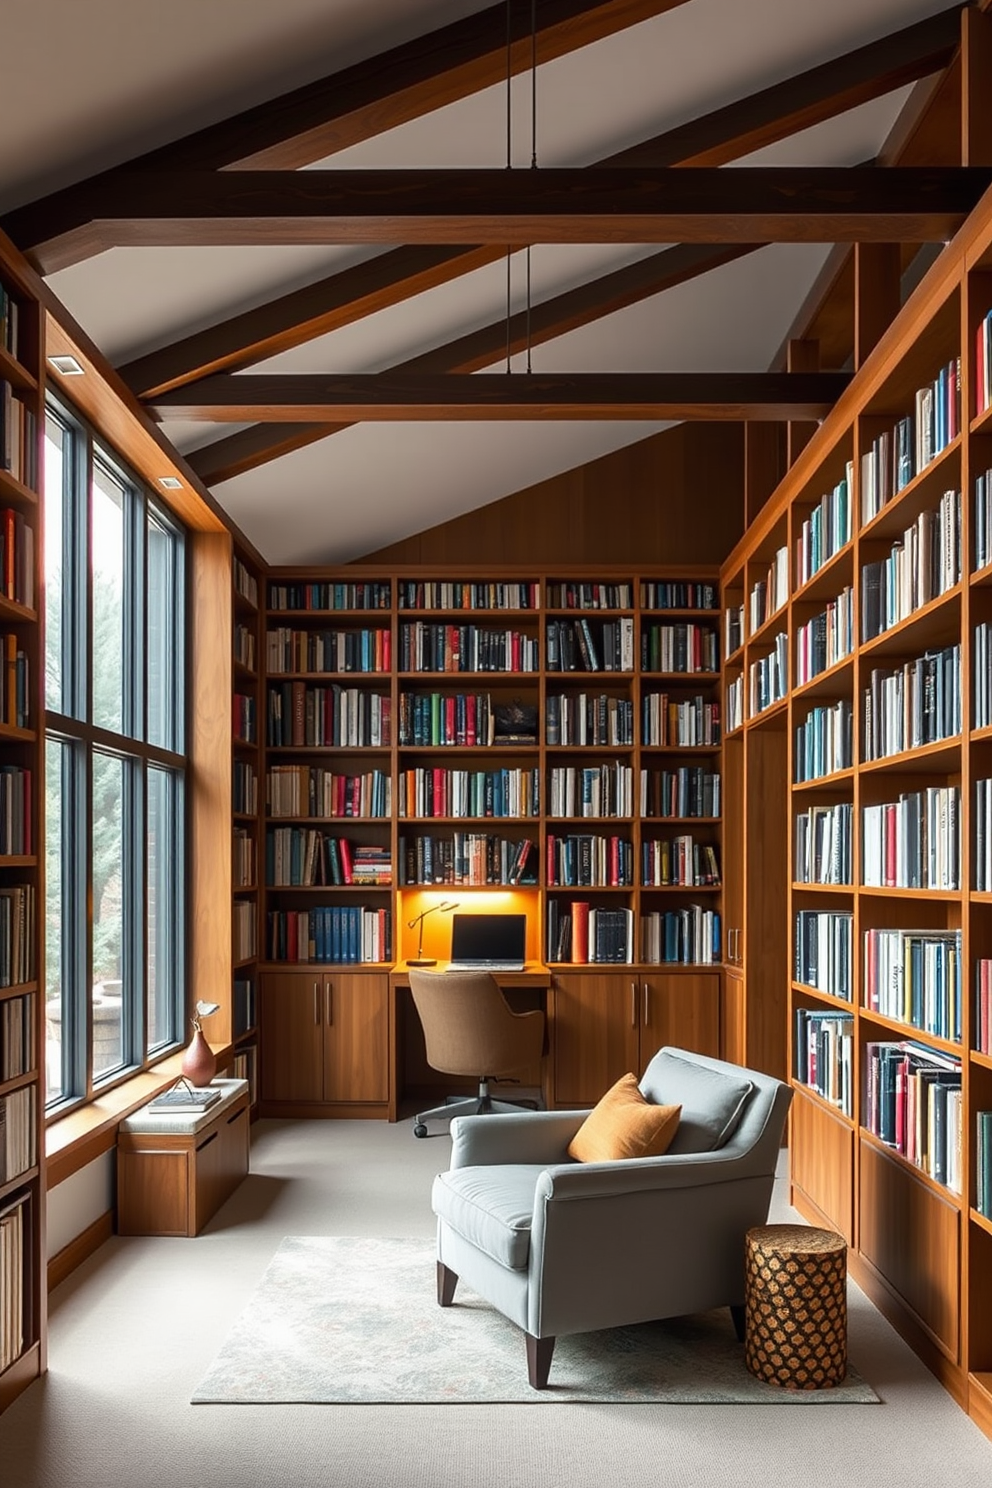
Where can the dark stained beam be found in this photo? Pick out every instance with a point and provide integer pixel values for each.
(223, 459)
(391, 396)
(806, 99)
(698, 204)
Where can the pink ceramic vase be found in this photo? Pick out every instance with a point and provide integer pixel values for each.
(199, 1063)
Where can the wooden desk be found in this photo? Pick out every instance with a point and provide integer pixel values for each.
(412, 1080)
(175, 1171)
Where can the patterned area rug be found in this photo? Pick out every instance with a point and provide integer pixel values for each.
(350, 1320)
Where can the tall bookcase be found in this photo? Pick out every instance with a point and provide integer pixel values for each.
(537, 740)
(247, 786)
(22, 1021)
(875, 846)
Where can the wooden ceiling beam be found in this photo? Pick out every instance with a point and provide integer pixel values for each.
(512, 208)
(806, 99)
(393, 396)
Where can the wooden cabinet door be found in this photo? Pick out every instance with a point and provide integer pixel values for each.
(356, 1043)
(595, 1037)
(683, 1011)
(292, 1028)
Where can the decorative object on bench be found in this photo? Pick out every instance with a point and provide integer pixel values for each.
(199, 1064)
(796, 1306)
(563, 1247)
(470, 1029)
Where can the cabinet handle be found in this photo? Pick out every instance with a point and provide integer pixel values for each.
(316, 1002)
(737, 946)
(633, 1004)
(329, 1005)
(647, 1003)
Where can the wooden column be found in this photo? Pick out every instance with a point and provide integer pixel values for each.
(976, 75)
(877, 271)
(764, 464)
(802, 356)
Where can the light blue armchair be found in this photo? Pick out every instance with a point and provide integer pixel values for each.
(563, 1247)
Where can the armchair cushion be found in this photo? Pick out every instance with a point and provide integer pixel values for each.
(712, 1101)
(491, 1207)
(624, 1125)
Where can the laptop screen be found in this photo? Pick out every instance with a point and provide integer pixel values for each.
(488, 937)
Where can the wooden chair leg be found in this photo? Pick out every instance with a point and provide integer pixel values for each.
(737, 1313)
(446, 1283)
(539, 1352)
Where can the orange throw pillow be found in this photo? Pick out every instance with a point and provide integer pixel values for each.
(624, 1124)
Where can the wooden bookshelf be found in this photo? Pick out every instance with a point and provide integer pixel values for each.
(917, 1241)
(247, 802)
(23, 1289)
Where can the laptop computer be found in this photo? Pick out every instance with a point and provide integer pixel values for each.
(488, 942)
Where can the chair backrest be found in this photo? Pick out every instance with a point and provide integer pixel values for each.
(469, 1029)
(751, 1106)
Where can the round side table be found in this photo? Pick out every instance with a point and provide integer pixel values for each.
(795, 1306)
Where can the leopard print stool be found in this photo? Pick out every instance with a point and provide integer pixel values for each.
(795, 1306)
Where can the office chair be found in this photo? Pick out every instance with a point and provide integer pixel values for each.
(469, 1029)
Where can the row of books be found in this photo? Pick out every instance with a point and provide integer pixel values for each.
(826, 529)
(570, 595)
(428, 647)
(886, 467)
(824, 1054)
(597, 790)
(18, 1133)
(913, 1104)
(298, 857)
(480, 594)
(678, 594)
(734, 704)
(923, 564)
(15, 811)
(679, 723)
(983, 836)
(983, 520)
(243, 873)
(503, 792)
(690, 790)
(824, 741)
(245, 720)
(769, 677)
(983, 1006)
(682, 861)
(914, 704)
(331, 935)
(17, 556)
(244, 787)
(310, 790)
(680, 648)
(770, 593)
(289, 650)
(580, 934)
(913, 843)
(245, 582)
(580, 719)
(303, 716)
(826, 638)
(17, 1036)
(937, 413)
(471, 858)
(14, 1299)
(18, 437)
(823, 844)
(244, 929)
(364, 594)
(983, 1163)
(15, 693)
(245, 1005)
(982, 711)
(733, 627)
(581, 646)
(589, 860)
(244, 646)
(17, 934)
(244, 1066)
(686, 937)
(823, 951)
(915, 977)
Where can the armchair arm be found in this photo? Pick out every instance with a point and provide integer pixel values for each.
(643, 1174)
(531, 1137)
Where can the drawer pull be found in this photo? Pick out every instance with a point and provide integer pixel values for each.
(212, 1138)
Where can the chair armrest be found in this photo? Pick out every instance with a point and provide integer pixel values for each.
(642, 1174)
(530, 1137)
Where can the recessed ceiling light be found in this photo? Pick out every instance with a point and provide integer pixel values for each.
(170, 482)
(66, 365)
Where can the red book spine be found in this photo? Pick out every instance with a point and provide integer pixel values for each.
(580, 931)
(344, 851)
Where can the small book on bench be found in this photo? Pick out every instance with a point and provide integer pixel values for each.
(185, 1098)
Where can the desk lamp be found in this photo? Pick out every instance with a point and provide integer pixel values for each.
(418, 920)
(199, 1063)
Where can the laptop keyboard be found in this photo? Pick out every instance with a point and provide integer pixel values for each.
(485, 966)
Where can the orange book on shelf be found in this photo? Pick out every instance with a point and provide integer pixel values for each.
(580, 931)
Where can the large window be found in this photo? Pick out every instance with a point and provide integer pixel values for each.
(114, 768)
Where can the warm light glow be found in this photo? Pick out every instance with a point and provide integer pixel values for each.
(437, 927)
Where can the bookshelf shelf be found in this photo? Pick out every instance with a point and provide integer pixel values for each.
(939, 1189)
(827, 683)
(908, 1031)
(983, 1223)
(816, 994)
(829, 578)
(798, 887)
(941, 758)
(829, 782)
(821, 1102)
(935, 623)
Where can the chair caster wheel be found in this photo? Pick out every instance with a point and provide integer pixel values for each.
(420, 1130)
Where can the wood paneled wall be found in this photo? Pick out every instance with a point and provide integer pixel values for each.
(676, 498)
